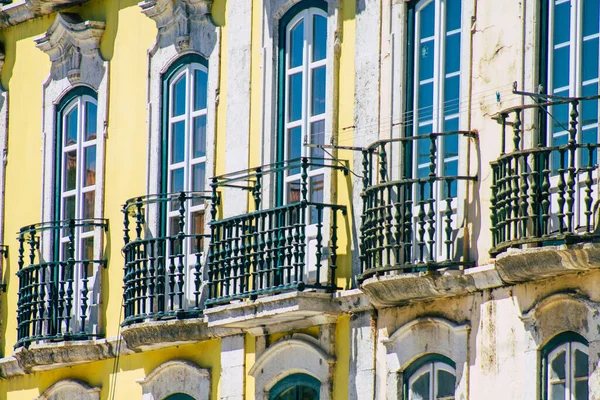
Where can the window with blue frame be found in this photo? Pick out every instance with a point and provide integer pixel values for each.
(184, 144)
(570, 43)
(431, 377)
(433, 81)
(566, 368)
(302, 96)
(296, 387)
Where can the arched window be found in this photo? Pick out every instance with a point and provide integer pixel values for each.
(432, 377)
(296, 387)
(302, 96)
(76, 165)
(566, 369)
(179, 396)
(184, 141)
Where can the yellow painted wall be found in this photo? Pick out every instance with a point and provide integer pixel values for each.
(342, 358)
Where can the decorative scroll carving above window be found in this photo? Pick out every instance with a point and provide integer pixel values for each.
(70, 389)
(174, 17)
(73, 47)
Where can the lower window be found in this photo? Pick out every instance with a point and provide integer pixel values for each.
(566, 372)
(296, 387)
(430, 378)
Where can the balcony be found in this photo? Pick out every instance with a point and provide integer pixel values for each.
(287, 248)
(544, 204)
(164, 245)
(414, 213)
(59, 281)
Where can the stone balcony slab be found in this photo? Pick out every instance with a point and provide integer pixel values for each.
(278, 313)
(522, 265)
(403, 288)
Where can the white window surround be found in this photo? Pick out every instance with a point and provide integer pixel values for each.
(551, 316)
(570, 380)
(73, 47)
(299, 354)
(272, 12)
(176, 376)
(3, 152)
(422, 336)
(70, 389)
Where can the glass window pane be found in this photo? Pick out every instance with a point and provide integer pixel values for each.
(581, 390)
(178, 100)
(197, 228)
(581, 364)
(452, 95)
(307, 393)
(70, 170)
(445, 384)
(200, 89)
(91, 124)
(562, 22)
(452, 53)
(69, 208)
(199, 137)
(88, 204)
(295, 97)
(318, 91)
(88, 252)
(319, 38)
(589, 62)
(453, 15)
(426, 60)
(557, 366)
(317, 136)
(288, 394)
(293, 192)
(419, 390)
(198, 175)
(427, 23)
(316, 196)
(294, 150)
(451, 125)
(174, 229)
(560, 67)
(89, 174)
(177, 180)
(589, 108)
(426, 102)
(71, 127)
(557, 391)
(177, 142)
(591, 17)
(296, 44)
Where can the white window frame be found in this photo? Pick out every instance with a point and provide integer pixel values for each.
(569, 348)
(188, 163)
(432, 368)
(306, 120)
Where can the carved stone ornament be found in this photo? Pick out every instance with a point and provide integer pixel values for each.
(173, 17)
(69, 42)
(43, 7)
(70, 389)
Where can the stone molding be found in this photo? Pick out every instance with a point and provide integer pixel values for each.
(26, 10)
(427, 335)
(175, 17)
(71, 389)
(176, 376)
(153, 335)
(299, 354)
(68, 42)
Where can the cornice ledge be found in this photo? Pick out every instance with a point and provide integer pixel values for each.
(174, 16)
(16, 13)
(68, 40)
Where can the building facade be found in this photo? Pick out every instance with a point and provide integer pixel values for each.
(299, 199)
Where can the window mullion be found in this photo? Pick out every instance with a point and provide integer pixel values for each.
(306, 81)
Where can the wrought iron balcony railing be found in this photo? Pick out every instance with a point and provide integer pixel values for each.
(288, 247)
(163, 259)
(59, 281)
(545, 191)
(413, 204)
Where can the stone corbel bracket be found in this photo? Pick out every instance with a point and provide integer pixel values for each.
(71, 43)
(174, 17)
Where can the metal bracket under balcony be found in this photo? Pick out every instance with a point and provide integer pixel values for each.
(414, 207)
(545, 201)
(59, 281)
(276, 249)
(164, 256)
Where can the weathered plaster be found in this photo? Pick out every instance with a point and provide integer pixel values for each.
(176, 376)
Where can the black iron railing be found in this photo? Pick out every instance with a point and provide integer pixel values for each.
(412, 199)
(163, 259)
(58, 281)
(544, 192)
(272, 250)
